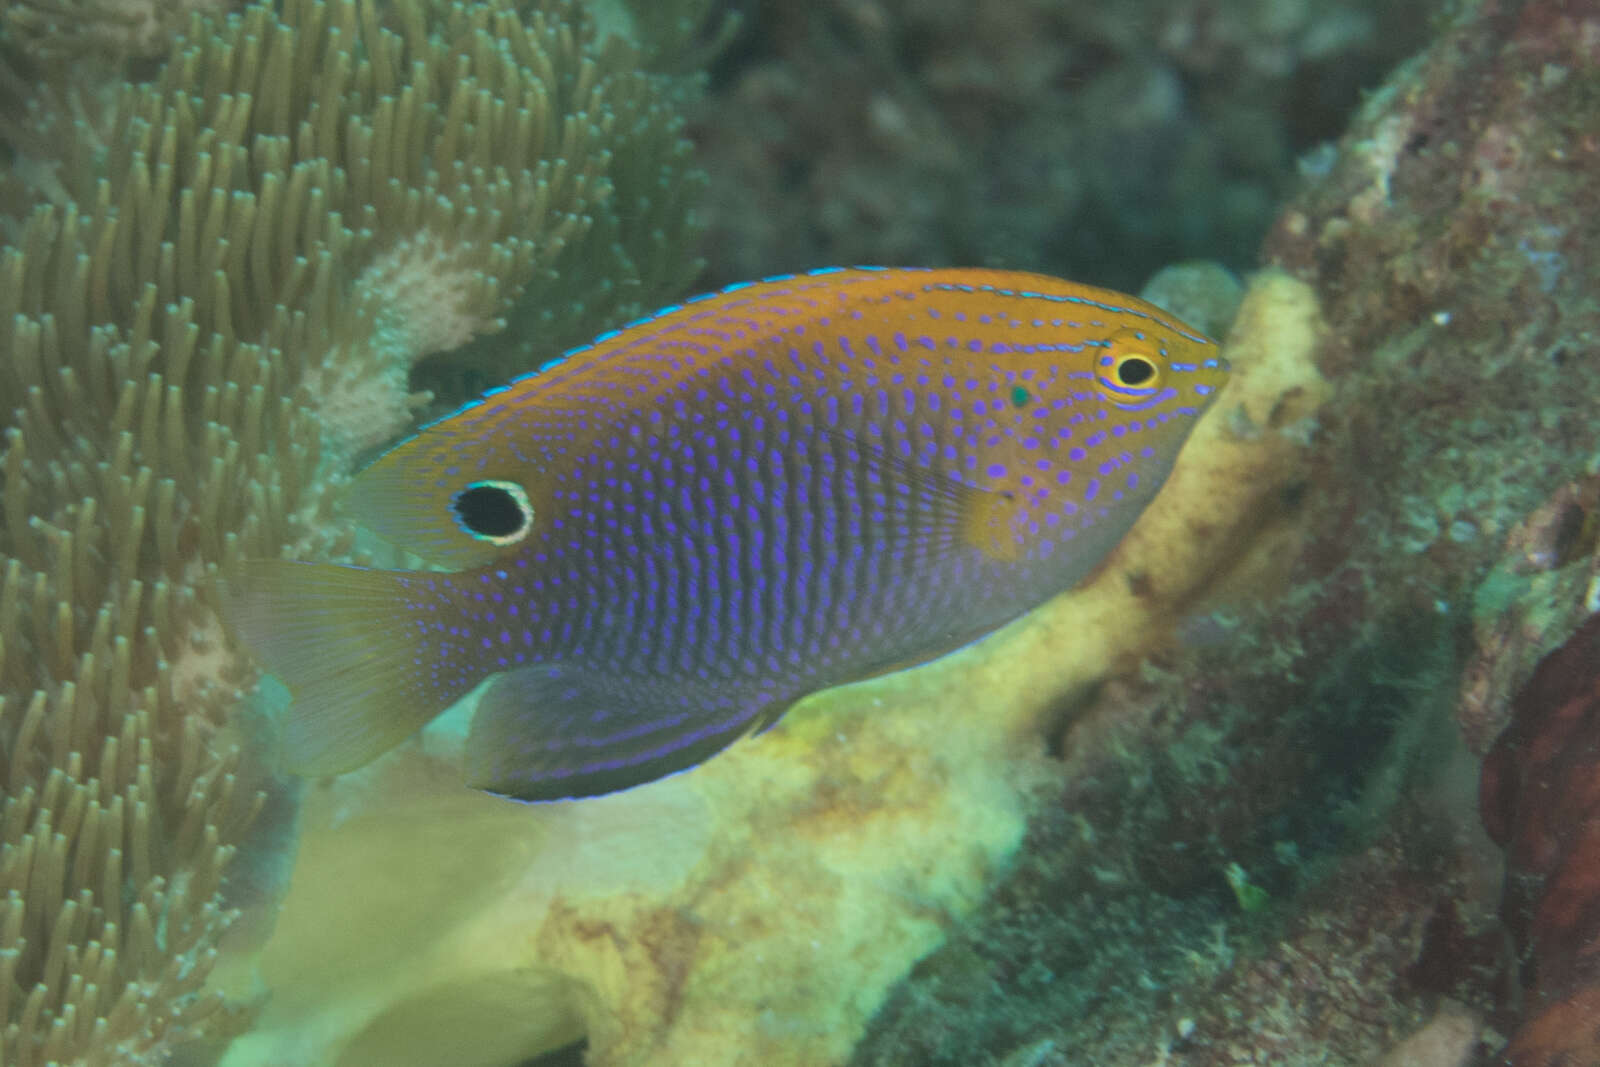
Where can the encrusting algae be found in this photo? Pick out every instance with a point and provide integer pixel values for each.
(212, 287)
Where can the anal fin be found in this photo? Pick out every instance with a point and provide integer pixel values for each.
(557, 731)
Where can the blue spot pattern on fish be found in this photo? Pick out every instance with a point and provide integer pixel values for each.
(661, 541)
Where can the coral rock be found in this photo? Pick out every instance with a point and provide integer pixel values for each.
(1541, 801)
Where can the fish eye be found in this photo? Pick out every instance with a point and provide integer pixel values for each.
(1128, 372)
(1133, 370)
(493, 511)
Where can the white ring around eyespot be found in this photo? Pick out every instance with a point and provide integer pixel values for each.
(519, 496)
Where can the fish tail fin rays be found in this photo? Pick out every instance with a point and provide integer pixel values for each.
(557, 731)
(337, 637)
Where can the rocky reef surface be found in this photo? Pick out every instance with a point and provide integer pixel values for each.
(1268, 849)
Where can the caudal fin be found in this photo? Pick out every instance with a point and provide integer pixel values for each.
(338, 637)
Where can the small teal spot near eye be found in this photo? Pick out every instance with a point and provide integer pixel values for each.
(1020, 396)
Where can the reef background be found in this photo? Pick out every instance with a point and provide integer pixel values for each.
(1101, 141)
(1248, 833)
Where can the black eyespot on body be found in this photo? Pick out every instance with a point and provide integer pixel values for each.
(1135, 370)
(493, 511)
